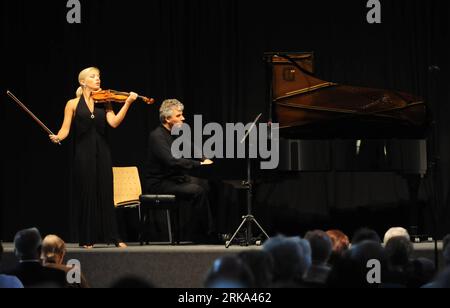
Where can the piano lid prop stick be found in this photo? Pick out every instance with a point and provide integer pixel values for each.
(251, 128)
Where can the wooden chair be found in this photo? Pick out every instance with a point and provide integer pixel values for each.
(128, 194)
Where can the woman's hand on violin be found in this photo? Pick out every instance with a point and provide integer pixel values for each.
(55, 139)
(133, 96)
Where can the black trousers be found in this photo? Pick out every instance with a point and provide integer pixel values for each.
(192, 194)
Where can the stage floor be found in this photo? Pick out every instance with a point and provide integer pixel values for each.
(163, 265)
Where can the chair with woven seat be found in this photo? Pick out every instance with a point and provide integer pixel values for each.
(127, 187)
(128, 194)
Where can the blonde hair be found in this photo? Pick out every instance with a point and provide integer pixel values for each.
(82, 76)
(52, 247)
(396, 232)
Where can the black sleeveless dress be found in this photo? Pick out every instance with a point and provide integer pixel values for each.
(93, 177)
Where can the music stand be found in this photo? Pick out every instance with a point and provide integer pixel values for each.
(249, 218)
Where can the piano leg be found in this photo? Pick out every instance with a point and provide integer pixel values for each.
(414, 182)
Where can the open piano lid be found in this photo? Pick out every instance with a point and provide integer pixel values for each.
(308, 107)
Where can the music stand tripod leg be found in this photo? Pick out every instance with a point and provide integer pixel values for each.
(249, 186)
(260, 228)
(248, 219)
(228, 243)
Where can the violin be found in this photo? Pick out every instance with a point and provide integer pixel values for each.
(106, 96)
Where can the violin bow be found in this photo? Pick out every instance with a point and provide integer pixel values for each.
(35, 118)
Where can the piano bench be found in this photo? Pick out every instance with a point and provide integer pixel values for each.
(166, 203)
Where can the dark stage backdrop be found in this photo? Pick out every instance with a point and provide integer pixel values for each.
(209, 54)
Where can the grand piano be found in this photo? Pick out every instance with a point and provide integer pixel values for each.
(328, 126)
(325, 126)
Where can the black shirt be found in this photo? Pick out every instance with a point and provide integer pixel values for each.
(33, 274)
(161, 165)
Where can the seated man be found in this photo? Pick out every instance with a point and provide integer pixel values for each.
(32, 274)
(166, 174)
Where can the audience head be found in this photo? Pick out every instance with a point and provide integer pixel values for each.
(361, 254)
(345, 273)
(399, 251)
(291, 256)
(27, 244)
(365, 234)
(229, 272)
(260, 263)
(340, 241)
(1, 252)
(395, 232)
(368, 250)
(423, 272)
(53, 249)
(446, 241)
(306, 249)
(321, 246)
(442, 281)
(446, 250)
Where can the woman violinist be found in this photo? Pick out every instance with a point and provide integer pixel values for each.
(93, 178)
